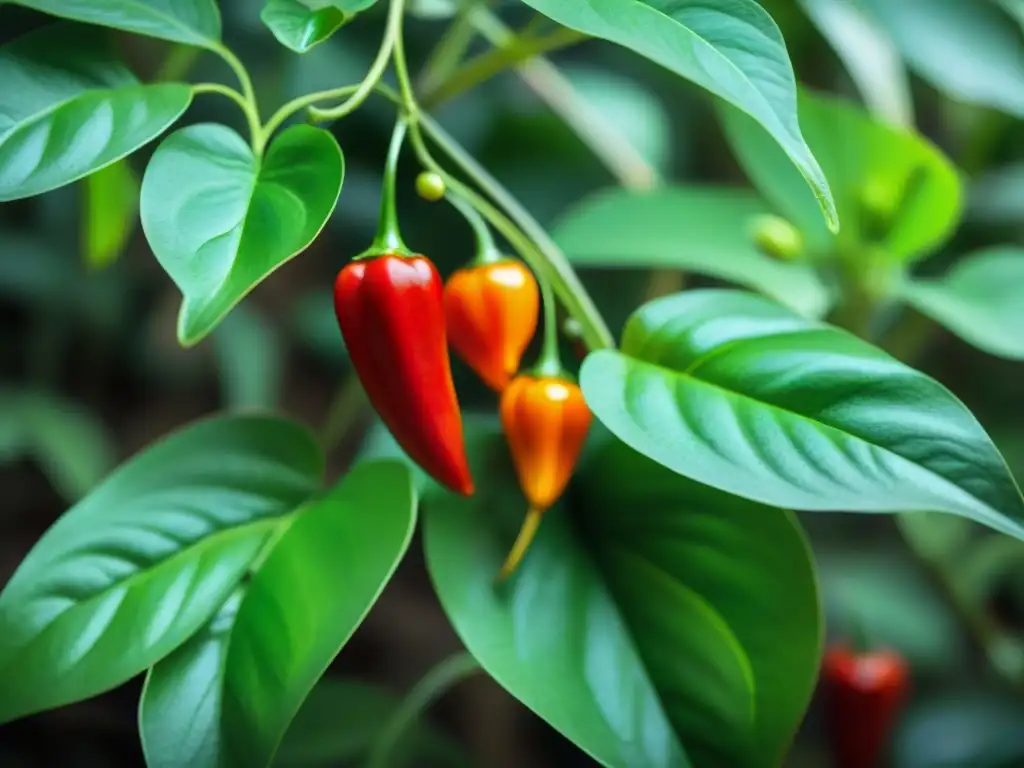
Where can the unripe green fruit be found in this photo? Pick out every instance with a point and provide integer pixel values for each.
(430, 186)
(776, 237)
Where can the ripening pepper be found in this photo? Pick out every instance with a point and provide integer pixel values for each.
(865, 692)
(546, 421)
(491, 313)
(390, 308)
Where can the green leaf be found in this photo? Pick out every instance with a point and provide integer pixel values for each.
(340, 721)
(639, 632)
(300, 25)
(251, 359)
(109, 214)
(299, 609)
(732, 48)
(981, 300)
(737, 392)
(195, 22)
(69, 107)
(968, 50)
(140, 564)
(707, 230)
(220, 221)
(863, 158)
(867, 52)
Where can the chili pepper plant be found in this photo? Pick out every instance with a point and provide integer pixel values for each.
(618, 535)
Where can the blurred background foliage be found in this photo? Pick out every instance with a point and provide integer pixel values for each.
(91, 371)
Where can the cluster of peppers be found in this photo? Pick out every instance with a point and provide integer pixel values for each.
(397, 318)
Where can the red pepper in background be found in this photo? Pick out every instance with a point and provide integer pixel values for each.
(389, 305)
(490, 307)
(865, 692)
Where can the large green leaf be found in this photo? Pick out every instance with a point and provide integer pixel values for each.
(196, 22)
(140, 564)
(638, 633)
(865, 160)
(68, 107)
(981, 300)
(732, 48)
(869, 55)
(737, 392)
(301, 24)
(219, 220)
(707, 230)
(110, 211)
(298, 610)
(969, 50)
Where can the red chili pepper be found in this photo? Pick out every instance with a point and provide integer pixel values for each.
(865, 692)
(491, 312)
(391, 315)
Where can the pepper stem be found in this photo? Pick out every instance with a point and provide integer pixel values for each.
(526, 534)
(389, 238)
(486, 251)
(549, 364)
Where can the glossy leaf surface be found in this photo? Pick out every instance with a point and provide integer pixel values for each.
(300, 25)
(140, 564)
(707, 230)
(195, 22)
(219, 221)
(732, 48)
(735, 391)
(863, 159)
(981, 300)
(634, 624)
(69, 107)
(298, 610)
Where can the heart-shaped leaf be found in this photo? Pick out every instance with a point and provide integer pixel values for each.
(637, 628)
(981, 300)
(738, 392)
(300, 25)
(194, 22)
(219, 220)
(227, 697)
(706, 230)
(69, 107)
(732, 48)
(892, 186)
(140, 564)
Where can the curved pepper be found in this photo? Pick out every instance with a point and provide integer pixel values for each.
(546, 420)
(865, 692)
(390, 312)
(491, 312)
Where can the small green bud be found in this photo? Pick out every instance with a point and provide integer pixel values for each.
(879, 200)
(777, 238)
(430, 186)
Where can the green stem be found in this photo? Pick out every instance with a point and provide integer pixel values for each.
(447, 54)
(432, 686)
(293, 106)
(392, 33)
(223, 90)
(486, 250)
(549, 364)
(487, 65)
(527, 236)
(249, 105)
(389, 237)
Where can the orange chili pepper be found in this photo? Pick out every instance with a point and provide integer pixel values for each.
(491, 315)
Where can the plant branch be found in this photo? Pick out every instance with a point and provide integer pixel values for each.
(447, 54)
(248, 104)
(223, 90)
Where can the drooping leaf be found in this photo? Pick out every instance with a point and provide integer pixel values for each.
(981, 300)
(195, 22)
(301, 24)
(69, 107)
(250, 358)
(340, 721)
(110, 211)
(220, 221)
(298, 610)
(635, 624)
(140, 564)
(867, 51)
(970, 51)
(707, 230)
(735, 391)
(906, 180)
(732, 48)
